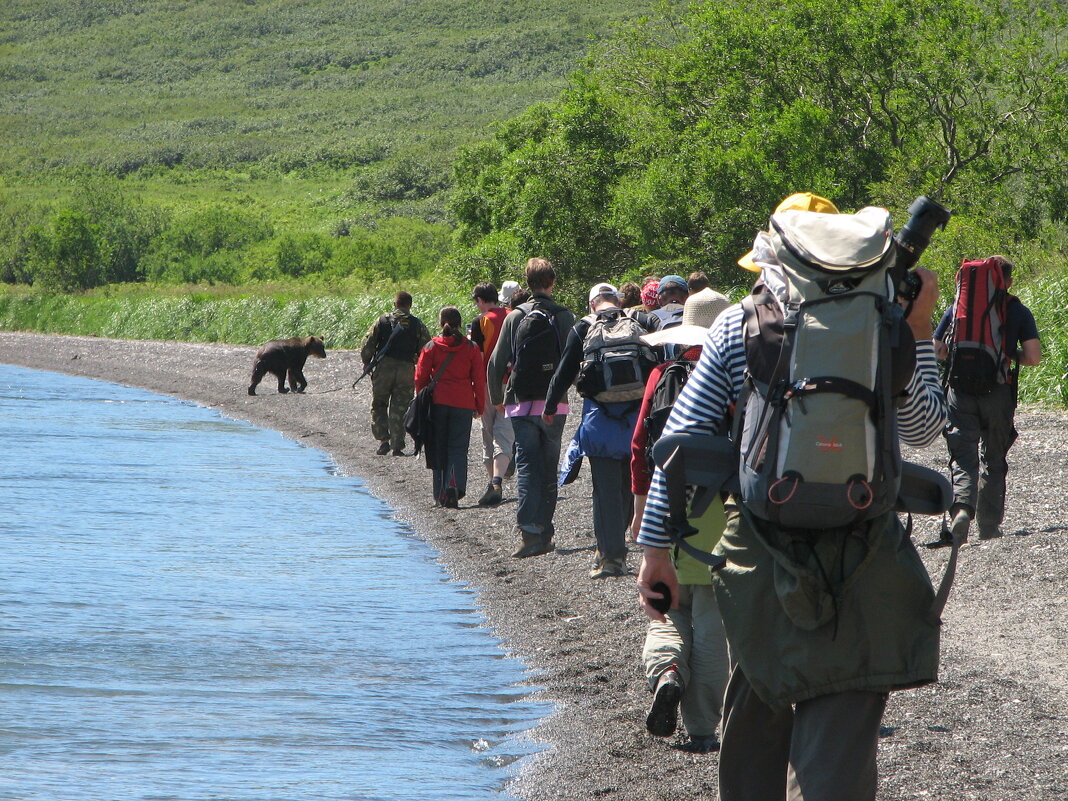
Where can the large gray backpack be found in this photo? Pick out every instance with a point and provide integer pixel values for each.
(827, 360)
(615, 360)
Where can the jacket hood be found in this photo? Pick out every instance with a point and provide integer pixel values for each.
(449, 343)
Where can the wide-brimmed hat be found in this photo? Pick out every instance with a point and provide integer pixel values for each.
(801, 201)
(698, 313)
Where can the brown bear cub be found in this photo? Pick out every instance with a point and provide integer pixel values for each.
(282, 357)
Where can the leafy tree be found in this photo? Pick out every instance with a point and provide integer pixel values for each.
(70, 255)
(683, 133)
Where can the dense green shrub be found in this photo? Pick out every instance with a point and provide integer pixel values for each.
(204, 244)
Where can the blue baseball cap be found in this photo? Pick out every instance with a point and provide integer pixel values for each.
(673, 282)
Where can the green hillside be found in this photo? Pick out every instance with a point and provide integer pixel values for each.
(284, 84)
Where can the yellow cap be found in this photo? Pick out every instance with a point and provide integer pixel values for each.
(802, 201)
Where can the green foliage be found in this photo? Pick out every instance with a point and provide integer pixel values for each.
(204, 245)
(1047, 297)
(310, 85)
(248, 318)
(683, 133)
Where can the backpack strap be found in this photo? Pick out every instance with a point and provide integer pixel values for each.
(678, 526)
(437, 373)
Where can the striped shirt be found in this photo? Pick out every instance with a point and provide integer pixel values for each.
(717, 381)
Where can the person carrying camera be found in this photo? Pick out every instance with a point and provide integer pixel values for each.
(812, 660)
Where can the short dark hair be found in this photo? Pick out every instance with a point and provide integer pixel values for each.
(518, 297)
(403, 300)
(1006, 266)
(485, 291)
(540, 274)
(697, 281)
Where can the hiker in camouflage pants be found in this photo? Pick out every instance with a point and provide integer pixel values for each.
(390, 351)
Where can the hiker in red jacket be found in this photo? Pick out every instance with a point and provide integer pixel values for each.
(459, 397)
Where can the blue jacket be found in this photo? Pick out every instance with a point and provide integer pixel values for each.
(606, 429)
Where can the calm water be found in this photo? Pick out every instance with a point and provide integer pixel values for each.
(194, 608)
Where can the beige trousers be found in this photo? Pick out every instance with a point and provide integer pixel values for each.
(693, 641)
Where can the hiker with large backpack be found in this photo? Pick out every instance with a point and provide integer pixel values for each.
(607, 361)
(984, 337)
(530, 344)
(389, 352)
(685, 656)
(826, 604)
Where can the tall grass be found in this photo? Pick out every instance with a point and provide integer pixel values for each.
(244, 317)
(1047, 384)
(243, 320)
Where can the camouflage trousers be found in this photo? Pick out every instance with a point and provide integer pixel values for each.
(392, 390)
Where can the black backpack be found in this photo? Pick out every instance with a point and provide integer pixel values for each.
(668, 386)
(536, 349)
(399, 336)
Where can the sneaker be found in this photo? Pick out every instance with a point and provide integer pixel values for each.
(663, 715)
(492, 496)
(451, 501)
(383, 448)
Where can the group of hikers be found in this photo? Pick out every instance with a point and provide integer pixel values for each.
(752, 453)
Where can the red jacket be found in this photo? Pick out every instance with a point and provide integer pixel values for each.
(463, 384)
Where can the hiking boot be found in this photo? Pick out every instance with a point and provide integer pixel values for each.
(492, 496)
(451, 501)
(608, 568)
(990, 533)
(701, 744)
(945, 540)
(663, 715)
(383, 448)
(958, 529)
(534, 545)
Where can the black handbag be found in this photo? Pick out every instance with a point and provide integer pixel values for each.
(417, 420)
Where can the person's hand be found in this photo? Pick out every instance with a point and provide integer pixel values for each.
(636, 520)
(548, 418)
(919, 315)
(656, 566)
(499, 407)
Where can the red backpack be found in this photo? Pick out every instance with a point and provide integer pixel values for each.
(978, 361)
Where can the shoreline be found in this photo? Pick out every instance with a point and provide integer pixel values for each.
(994, 728)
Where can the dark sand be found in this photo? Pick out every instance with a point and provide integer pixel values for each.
(994, 728)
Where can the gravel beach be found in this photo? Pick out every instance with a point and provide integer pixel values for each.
(994, 728)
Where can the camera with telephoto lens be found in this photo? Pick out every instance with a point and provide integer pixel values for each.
(927, 216)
